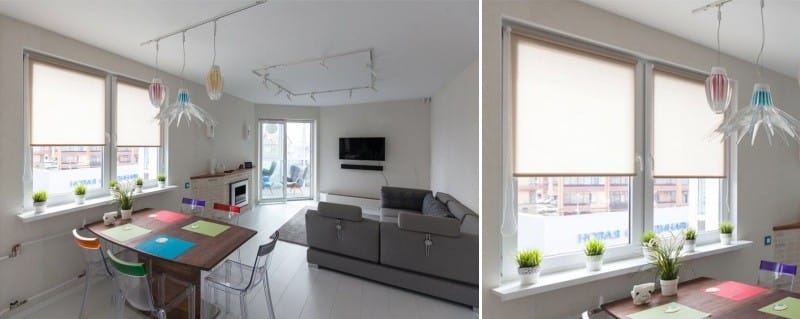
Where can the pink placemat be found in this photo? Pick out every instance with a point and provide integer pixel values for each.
(168, 216)
(738, 291)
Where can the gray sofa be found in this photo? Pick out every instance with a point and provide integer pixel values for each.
(419, 242)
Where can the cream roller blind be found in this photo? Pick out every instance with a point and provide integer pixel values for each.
(682, 127)
(136, 124)
(67, 106)
(574, 111)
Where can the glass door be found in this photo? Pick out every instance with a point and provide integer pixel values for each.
(286, 152)
(272, 164)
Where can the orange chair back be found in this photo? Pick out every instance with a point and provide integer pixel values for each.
(227, 208)
(85, 242)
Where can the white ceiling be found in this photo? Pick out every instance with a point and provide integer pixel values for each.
(418, 45)
(740, 34)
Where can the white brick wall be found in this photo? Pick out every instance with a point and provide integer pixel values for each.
(217, 189)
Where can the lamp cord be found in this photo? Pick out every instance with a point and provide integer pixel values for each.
(183, 65)
(763, 41)
(214, 58)
(719, 22)
(157, 42)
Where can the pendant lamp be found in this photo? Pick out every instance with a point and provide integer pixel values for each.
(718, 86)
(157, 90)
(183, 106)
(761, 112)
(214, 81)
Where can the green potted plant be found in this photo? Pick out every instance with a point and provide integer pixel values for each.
(162, 180)
(689, 237)
(112, 186)
(123, 195)
(666, 257)
(725, 233)
(649, 240)
(39, 201)
(139, 184)
(594, 250)
(80, 194)
(528, 262)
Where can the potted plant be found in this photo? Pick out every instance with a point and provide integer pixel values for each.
(123, 194)
(689, 237)
(725, 233)
(594, 254)
(528, 262)
(39, 201)
(112, 186)
(162, 180)
(139, 184)
(80, 194)
(666, 258)
(649, 241)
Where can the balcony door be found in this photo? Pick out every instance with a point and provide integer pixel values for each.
(286, 152)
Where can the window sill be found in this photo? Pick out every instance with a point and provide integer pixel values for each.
(53, 211)
(559, 280)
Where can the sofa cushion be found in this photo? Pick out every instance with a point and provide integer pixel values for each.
(470, 224)
(433, 207)
(340, 211)
(444, 197)
(444, 226)
(403, 198)
(458, 210)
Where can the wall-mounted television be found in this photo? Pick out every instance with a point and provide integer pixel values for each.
(362, 148)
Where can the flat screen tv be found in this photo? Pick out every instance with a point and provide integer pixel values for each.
(362, 148)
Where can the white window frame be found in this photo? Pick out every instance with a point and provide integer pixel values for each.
(642, 184)
(109, 149)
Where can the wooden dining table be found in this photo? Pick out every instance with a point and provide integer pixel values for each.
(693, 294)
(206, 253)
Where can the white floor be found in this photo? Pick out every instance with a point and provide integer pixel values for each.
(298, 292)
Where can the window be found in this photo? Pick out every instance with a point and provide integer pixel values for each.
(628, 149)
(69, 112)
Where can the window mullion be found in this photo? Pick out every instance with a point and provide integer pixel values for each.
(111, 145)
(646, 102)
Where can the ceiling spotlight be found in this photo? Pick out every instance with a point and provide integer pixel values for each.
(266, 84)
(312, 97)
(289, 96)
(351, 94)
(373, 88)
(322, 63)
(279, 92)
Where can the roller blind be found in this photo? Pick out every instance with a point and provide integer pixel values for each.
(574, 111)
(136, 124)
(67, 106)
(682, 127)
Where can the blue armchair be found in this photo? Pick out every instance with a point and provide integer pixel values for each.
(265, 176)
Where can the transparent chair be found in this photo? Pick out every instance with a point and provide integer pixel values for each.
(231, 215)
(96, 267)
(776, 275)
(193, 206)
(234, 278)
(595, 314)
(137, 289)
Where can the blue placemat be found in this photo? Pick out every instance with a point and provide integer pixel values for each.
(170, 249)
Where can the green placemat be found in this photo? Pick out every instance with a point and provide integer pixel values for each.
(125, 232)
(658, 313)
(792, 311)
(206, 228)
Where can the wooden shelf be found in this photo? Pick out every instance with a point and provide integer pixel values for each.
(236, 171)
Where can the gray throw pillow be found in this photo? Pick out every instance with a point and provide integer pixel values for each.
(433, 207)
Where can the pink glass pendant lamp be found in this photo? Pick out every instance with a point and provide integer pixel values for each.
(718, 86)
(157, 90)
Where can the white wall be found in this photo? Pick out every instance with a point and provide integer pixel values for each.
(768, 175)
(407, 128)
(42, 266)
(454, 138)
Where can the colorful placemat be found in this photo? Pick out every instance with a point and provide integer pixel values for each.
(792, 310)
(206, 228)
(168, 216)
(126, 232)
(169, 249)
(738, 291)
(684, 312)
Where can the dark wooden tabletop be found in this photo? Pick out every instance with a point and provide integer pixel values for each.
(207, 252)
(692, 293)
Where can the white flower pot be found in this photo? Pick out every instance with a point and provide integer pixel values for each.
(594, 263)
(39, 207)
(161, 184)
(669, 287)
(79, 199)
(111, 191)
(725, 239)
(646, 253)
(138, 188)
(688, 245)
(126, 213)
(528, 275)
